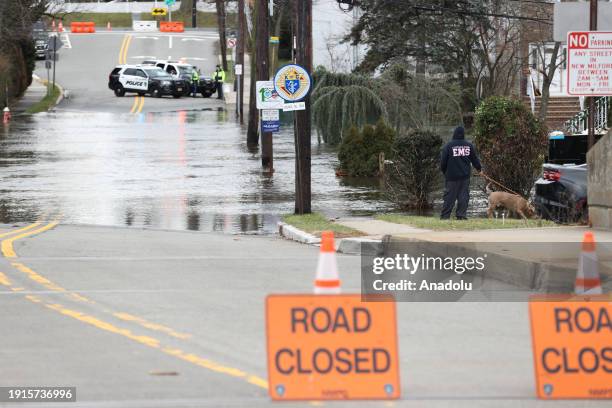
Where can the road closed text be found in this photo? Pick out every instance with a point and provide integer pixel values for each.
(343, 360)
(586, 359)
(572, 348)
(331, 347)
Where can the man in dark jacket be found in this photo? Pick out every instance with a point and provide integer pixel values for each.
(456, 160)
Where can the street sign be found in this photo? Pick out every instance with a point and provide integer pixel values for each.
(169, 2)
(296, 106)
(231, 42)
(589, 63)
(331, 347)
(47, 64)
(159, 11)
(270, 120)
(274, 40)
(572, 347)
(292, 82)
(267, 97)
(54, 43)
(238, 69)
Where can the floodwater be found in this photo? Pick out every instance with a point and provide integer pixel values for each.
(185, 170)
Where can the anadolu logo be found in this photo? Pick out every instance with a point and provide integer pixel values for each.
(292, 82)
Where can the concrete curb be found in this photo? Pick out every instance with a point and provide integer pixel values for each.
(60, 98)
(348, 246)
(359, 246)
(290, 232)
(525, 273)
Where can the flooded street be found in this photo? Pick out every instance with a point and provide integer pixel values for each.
(185, 170)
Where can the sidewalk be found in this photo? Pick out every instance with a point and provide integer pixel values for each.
(34, 94)
(230, 95)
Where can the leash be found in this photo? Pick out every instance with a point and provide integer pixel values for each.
(499, 184)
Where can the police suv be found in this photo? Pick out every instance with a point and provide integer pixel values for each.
(145, 79)
(184, 71)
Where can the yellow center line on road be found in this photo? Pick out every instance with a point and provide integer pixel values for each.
(124, 49)
(156, 344)
(127, 47)
(142, 101)
(8, 252)
(4, 280)
(135, 104)
(138, 104)
(27, 227)
(7, 244)
(149, 325)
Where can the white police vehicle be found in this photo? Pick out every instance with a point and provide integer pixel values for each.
(184, 71)
(145, 79)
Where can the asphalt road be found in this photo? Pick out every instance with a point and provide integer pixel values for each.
(150, 318)
(86, 60)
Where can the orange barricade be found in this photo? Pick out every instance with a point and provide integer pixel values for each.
(171, 26)
(82, 27)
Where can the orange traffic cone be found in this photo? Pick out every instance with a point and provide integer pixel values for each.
(60, 27)
(587, 279)
(108, 26)
(327, 281)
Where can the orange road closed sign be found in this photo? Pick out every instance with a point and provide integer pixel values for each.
(572, 346)
(331, 347)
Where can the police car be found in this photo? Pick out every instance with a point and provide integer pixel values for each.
(184, 71)
(145, 79)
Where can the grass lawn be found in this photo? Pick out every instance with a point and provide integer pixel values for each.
(46, 103)
(100, 19)
(316, 223)
(434, 223)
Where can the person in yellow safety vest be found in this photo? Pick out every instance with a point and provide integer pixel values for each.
(219, 77)
(195, 80)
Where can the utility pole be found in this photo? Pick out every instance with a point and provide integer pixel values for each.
(194, 14)
(262, 40)
(54, 60)
(592, 27)
(240, 60)
(302, 40)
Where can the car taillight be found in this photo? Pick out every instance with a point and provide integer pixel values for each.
(552, 175)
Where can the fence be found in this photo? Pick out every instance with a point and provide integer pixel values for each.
(580, 122)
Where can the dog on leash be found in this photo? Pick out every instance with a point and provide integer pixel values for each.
(512, 202)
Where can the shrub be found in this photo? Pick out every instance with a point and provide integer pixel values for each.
(359, 151)
(510, 141)
(415, 171)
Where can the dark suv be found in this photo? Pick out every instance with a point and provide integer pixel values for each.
(561, 192)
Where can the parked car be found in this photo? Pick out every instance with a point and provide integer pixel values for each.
(561, 192)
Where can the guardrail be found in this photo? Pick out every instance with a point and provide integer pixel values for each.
(580, 122)
(140, 25)
(78, 27)
(171, 26)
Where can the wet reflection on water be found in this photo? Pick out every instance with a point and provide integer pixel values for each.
(179, 170)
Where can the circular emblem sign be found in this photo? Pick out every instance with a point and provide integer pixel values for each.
(292, 82)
